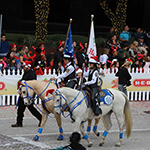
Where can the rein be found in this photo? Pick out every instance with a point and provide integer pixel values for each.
(27, 86)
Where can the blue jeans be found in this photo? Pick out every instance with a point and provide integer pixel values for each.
(122, 88)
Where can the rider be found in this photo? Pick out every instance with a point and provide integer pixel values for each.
(68, 77)
(80, 77)
(92, 84)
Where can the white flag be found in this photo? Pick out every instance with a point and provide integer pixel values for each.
(91, 51)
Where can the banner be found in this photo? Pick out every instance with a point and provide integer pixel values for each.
(139, 81)
(91, 51)
(8, 84)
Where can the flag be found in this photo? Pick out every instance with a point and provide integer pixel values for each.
(91, 51)
(69, 44)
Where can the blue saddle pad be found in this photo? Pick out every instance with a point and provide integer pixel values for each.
(106, 97)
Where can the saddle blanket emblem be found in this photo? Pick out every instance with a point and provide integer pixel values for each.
(105, 97)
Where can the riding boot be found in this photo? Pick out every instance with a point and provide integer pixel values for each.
(95, 102)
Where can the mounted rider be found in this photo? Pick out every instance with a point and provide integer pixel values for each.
(68, 77)
(92, 83)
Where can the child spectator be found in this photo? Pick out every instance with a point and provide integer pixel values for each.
(103, 58)
(11, 66)
(3, 65)
(131, 51)
(40, 65)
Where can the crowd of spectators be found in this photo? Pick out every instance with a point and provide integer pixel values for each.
(12, 56)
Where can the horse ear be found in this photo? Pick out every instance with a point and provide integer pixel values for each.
(50, 91)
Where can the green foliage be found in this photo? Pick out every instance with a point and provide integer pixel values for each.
(51, 40)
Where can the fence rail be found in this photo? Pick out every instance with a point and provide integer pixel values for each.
(7, 100)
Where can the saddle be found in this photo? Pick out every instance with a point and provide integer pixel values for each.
(88, 93)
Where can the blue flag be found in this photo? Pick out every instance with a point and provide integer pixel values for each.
(69, 45)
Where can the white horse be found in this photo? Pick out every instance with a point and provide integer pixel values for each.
(28, 89)
(80, 112)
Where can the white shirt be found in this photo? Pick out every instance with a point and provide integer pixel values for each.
(94, 77)
(68, 71)
(103, 58)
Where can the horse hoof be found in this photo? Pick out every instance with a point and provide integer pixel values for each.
(90, 144)
(117, 145)
(60, 138)
(101, 144)
(36, 138)
(98, 134)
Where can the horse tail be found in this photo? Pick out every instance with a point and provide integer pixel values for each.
(128, 118)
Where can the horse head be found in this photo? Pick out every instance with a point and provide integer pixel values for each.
(59, 100)
(27, 93)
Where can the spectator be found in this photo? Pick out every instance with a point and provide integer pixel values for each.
(111, 33)
(142, 46)
(4, 46)
(136, 48)
(40, 65)
(103, 58)
(138, 34)
(58, 58)
(147, 40)
(24, 55)
(11, 52)
(123, 54)
(74, 143)
(80, 56)
(125, 36)
(113, 44)
(3, 65)
(123, 77)
(86, 46)
(28, 75)
(131, 51)
(41, 45)
(111, 58)
(11, 66)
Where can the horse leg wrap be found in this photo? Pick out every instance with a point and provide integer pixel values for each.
(121, 135)
(36, 138)
(86, 136)
(60, 137)
(88, 129)
(94, 128)
(40, 130)
(105, 133)
(60, 130)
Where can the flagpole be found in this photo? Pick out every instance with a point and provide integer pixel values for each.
(92, 16)
(68, 28)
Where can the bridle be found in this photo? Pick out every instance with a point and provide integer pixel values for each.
(63, 107)
(32, 97)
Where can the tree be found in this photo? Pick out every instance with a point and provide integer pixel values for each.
(41, 14)
(118, 20)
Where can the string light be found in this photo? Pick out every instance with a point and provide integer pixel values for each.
(41, 14)
(118, 20)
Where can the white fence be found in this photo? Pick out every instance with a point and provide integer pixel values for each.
(140, 95)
